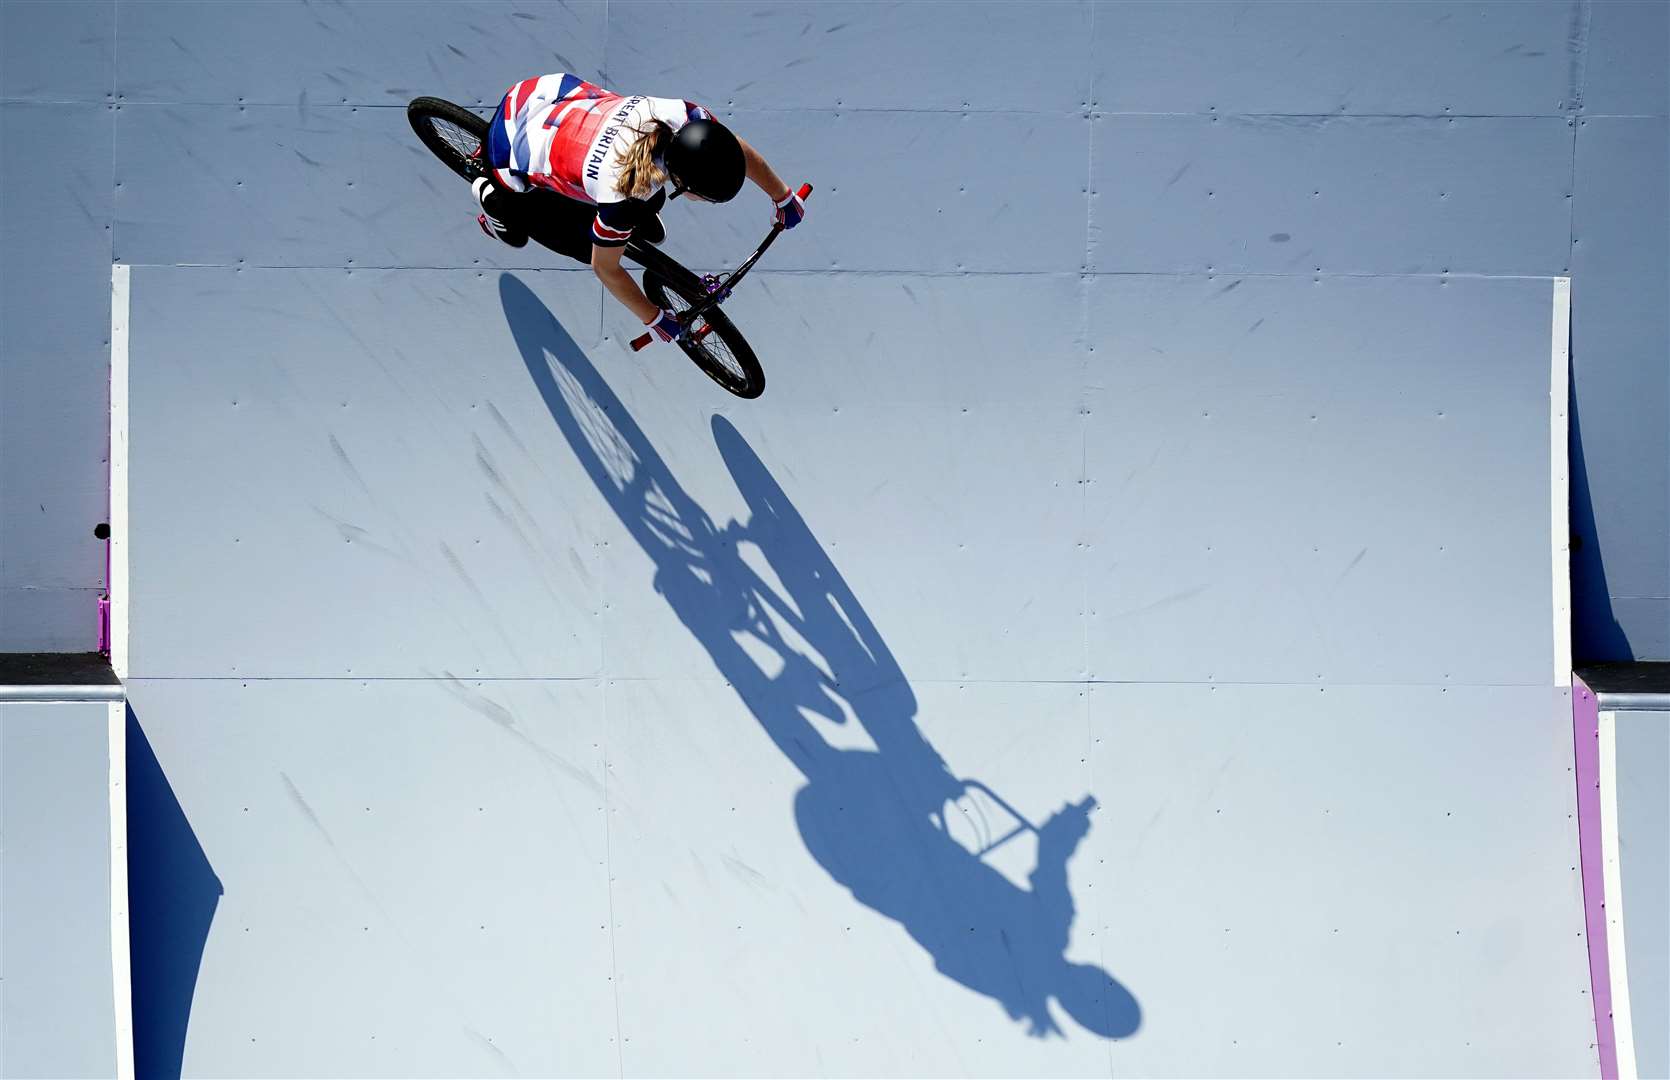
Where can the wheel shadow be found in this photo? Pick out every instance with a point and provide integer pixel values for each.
(875, 820)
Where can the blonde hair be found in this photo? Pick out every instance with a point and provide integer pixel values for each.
(640, 175)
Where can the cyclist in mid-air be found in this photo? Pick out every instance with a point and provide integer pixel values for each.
(608, 158)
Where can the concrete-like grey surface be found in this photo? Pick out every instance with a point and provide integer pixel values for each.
(1643, 749)
(57, 998)
(376, 463)
(616, 694)
(1156, 433)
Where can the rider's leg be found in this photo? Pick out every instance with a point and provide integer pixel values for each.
(498, 212)
(560, 223)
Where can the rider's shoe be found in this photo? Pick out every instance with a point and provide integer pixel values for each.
(492, 224)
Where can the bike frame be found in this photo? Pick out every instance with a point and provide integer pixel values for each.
(719, 290)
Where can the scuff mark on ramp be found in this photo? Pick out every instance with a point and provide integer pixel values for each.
(307, 810)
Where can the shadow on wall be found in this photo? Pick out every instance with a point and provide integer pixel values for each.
(1596, 635)
(172, 897)
(877, 821)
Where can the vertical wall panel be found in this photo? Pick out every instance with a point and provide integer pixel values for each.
(55, 163)
(1624, 69)
(1375, 57)
(57, 50)
(307, 55)
(1621, 388)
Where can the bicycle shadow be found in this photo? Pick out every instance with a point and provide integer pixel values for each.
(874, 820)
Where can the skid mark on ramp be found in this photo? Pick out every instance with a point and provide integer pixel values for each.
(487, 1044)
(348, 464)
(458, 568)
(535, 555)
(481, 705)
(307, 811)
(353, 534)
(1163, 602)
(743, 872)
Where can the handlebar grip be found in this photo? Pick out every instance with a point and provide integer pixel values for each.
(805, 190)
(638, 343)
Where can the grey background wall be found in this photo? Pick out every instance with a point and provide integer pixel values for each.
(66, 100)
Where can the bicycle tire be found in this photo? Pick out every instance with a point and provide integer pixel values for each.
(431, 118)
(735, 367)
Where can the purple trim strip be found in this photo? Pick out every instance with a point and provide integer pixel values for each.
(1585, 731)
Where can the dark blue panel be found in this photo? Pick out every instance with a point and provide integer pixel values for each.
(350, 185)
(57, 50)
(1625, 71)
(309, 54)
(917, 56)
(54, 338)
(1287, 195)
(1337, 58)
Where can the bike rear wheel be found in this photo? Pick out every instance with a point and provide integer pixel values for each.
(714, 344)
(452, 133)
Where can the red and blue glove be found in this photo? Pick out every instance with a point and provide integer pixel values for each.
(791, 210)
(666, 326)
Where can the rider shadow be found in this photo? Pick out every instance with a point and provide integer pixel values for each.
(875, 820)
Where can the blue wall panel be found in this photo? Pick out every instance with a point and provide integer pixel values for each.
(54, 364)
(1291, 195)
(303, 55)
(1624, 71)
(936, 56)
(352, 186)
(56, 72)
(1359, 58)
(1621, 389)
(57, 50)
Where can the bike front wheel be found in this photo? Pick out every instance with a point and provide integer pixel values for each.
(714, 344)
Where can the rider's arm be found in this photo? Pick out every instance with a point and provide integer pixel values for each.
(605, 263)
(760, 173)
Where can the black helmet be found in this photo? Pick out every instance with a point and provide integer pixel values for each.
(704, 157)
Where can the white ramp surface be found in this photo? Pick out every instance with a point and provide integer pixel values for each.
(1118, 643)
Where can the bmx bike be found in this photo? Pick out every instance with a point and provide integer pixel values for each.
(711, 341)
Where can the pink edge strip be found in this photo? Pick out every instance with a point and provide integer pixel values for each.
(1585, 730)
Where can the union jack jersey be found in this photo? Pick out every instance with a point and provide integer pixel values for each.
(564, 134)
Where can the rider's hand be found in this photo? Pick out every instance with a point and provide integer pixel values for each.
(791, 210)
(665, 326)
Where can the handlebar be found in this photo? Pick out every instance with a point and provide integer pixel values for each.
(698, 310)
